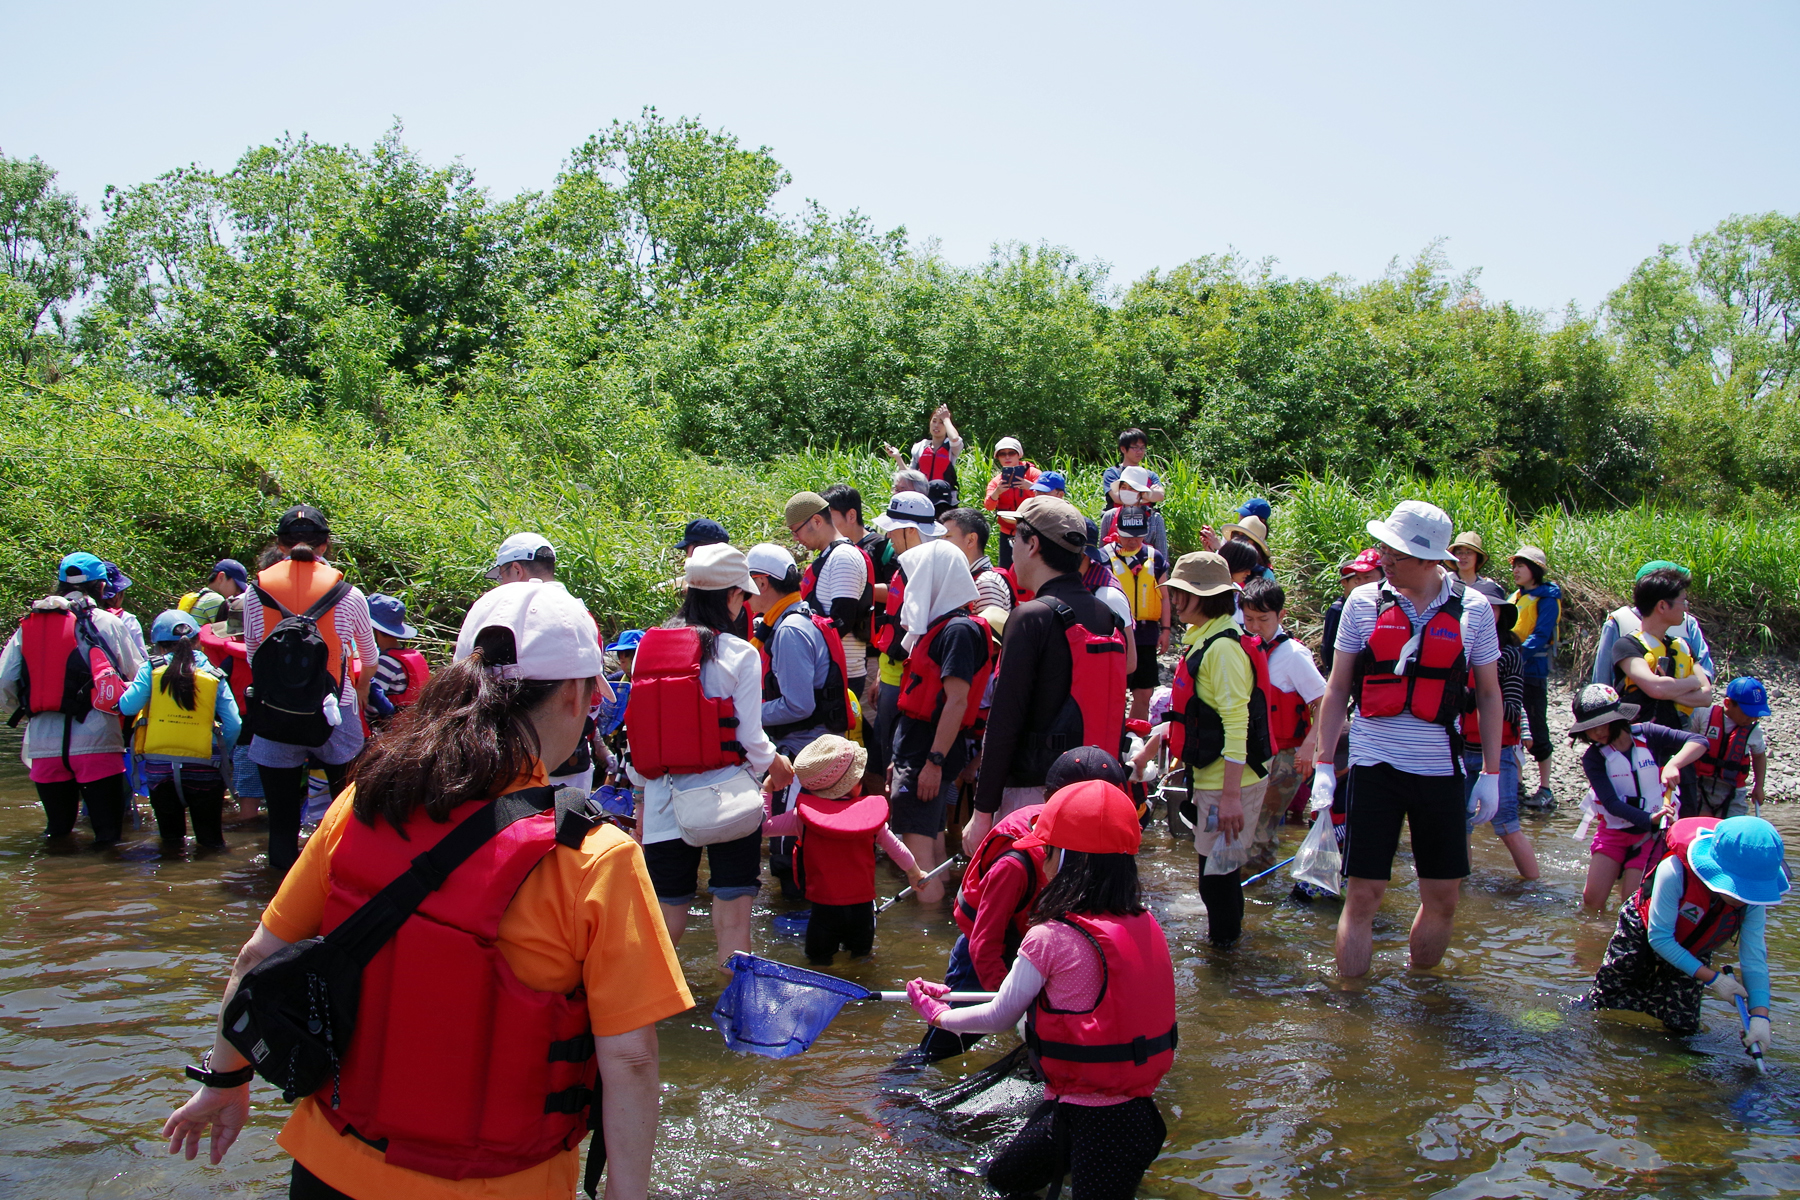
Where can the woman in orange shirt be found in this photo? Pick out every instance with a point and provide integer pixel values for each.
(419, 1082)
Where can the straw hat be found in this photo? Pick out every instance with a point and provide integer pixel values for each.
(830, 766)
(1201, 573)
(1532, 554)
(1252, 528)
(1473, 541)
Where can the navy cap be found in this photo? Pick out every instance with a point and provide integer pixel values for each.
(1080, 765)
(1749, 694)
(233, 570)
(702, 531)
(302, 519)
(1093, 549)
(1256, 506)
(388, 614)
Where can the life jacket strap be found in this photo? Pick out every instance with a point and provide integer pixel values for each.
(1139, 1050)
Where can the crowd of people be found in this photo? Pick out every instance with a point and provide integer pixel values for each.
(1013, 684)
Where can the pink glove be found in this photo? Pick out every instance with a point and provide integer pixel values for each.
(927, 999)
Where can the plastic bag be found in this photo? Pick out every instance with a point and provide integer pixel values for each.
(1319, 861)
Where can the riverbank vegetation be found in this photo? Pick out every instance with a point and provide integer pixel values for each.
(651, 338)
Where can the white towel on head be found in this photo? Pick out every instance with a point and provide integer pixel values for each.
(937, 582)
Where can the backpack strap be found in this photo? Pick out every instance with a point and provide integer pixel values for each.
(576, 817)
(365, 931)
(327, 602)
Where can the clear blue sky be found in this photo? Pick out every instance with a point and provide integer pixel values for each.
(1552, 145)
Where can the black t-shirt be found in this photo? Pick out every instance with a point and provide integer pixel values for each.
(959, 649)
(1638, 645)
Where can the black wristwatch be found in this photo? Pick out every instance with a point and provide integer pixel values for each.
(935, 759)
(219, 1079)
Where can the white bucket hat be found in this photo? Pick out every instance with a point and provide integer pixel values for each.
(553, 633)
(1008, 443)
(1416, 528)
(717, 567)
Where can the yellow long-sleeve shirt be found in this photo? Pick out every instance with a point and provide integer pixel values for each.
(1225, 682)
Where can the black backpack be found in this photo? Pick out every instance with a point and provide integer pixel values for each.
(290, 674)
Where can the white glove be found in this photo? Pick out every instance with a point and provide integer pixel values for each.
(1324, 787)
(1484, 801)
(1759, 1038)
(1727, 988)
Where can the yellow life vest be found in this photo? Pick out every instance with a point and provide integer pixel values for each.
(187, 602)
(1138, 583)
(1526, 625)
(168, 732)
(1674, 652)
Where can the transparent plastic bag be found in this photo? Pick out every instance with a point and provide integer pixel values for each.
(1319, 861)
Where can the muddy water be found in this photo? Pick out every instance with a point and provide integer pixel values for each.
(1463, 1082)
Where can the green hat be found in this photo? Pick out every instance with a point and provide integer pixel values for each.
(1660, 564)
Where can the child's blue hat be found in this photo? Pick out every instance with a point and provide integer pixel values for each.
(171, 625)
(1256, 507)
(388, 614)
(1050, 481)
(627, 643)
(1749, 694)
(1741, 857)
(81, 567)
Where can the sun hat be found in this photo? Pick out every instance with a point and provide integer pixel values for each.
(1416, 528)
(1050, 481)
(1201, 573)
(116, 581)
(1748, 693)
(1471, 540)
(553, 634)
(1532, 554)
(702, 531)
(1137, 478)
(233, 570)
(1056, 520)
(520, 547)
(801, 508)
(1080, 764)
(717, 566)
(1256, 507)
(1008, 443)
(302, 520)
(171, 625)
(830, 766)
(1598, 704)
(910, 508)
(1660, 564)
(388, 614)
(81, 567)
(1366, 563)
(1092, 817)
(1252, 528)
(627, 643)
(1743, 858)
(766, 558)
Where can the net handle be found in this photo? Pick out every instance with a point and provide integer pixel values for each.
(952, 998)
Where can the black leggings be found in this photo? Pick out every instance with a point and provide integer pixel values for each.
(206, 800)
(1223, 896)
(1105, 1150)
(106, 807)
(1537, 716)
(304, 1185)
(284, 795)
(851, 926)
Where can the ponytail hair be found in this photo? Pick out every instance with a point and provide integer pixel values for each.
(468, 737)
(178, 678)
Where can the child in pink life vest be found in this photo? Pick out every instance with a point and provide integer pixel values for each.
(837, 828)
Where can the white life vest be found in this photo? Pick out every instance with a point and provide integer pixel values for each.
(1636, 780)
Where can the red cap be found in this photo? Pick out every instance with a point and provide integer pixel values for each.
(1092, 816)
(1369, 560)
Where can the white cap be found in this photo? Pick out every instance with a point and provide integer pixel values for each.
(1008, 443)
(717, 567)
(552, 630)
(766, 558)
(913, 509)
(1416, 528)
(1136, 478)
(520, 547)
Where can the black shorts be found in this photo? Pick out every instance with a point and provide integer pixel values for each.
(1149, 671)
(1381, 798)
(851, 926)
(675, 868)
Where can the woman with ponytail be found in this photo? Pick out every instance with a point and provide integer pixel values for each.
(528, 986)
(188, 719)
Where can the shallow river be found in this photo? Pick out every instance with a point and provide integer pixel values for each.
(1467, 1081)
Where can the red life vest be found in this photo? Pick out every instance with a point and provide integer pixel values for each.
(1019, 594)
(67, 668)
(923, 682)
(1290, 719)
(1012, 497)
(1705, 920)
(228, 654)
(672, 727)
(1125, 1044)
(463, 1070)
(998, 844)
(1187, 708)
(1431, 688)
(1471, 722)
(855, 625)
(417, 672)
(887, 629)
(934, 462)
(1727, 756)
(1096, 676)
(834, 856)
(832, 705)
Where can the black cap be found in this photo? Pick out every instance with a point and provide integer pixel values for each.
(702, 531)
(302, 518)
(1081, 764)
(943, 496)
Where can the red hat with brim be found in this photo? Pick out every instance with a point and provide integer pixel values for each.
(1093, 817)
(852, 814)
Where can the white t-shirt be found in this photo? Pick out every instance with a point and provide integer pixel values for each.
(1404, 741)
(1115, 599)
(844, 576)
(1291, 669)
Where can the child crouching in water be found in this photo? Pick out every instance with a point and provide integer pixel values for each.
(834, 860)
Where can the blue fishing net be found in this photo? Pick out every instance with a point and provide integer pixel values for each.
(792, 924)
(775, 1010)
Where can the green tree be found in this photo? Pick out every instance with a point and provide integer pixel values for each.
(44, 242)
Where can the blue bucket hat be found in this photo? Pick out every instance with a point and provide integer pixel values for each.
(116, 581)
(627, 643)
(1742, 857)
(388, 614)
(1257, 507)
(1748, 693)
(81, 567)
(171, 625)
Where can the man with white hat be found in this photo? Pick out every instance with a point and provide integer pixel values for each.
(1008, 490)
(523, 556)
(910, 521)
(1404, 650)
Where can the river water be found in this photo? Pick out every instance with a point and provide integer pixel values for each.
(1472, 1080)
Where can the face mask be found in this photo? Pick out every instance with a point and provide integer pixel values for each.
(1126, 496)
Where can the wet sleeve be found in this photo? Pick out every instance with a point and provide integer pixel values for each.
(1753, 955)
(627, 962)
(1665, 906)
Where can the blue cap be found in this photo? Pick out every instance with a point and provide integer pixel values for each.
(81, 567)
(702, 532)
(388, 614)
(628, 642)
(1050, 481)
(116, 581)
(171, 625)
(1749, 694)
(233, 570)
(1256, 507)
(1741, 857)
